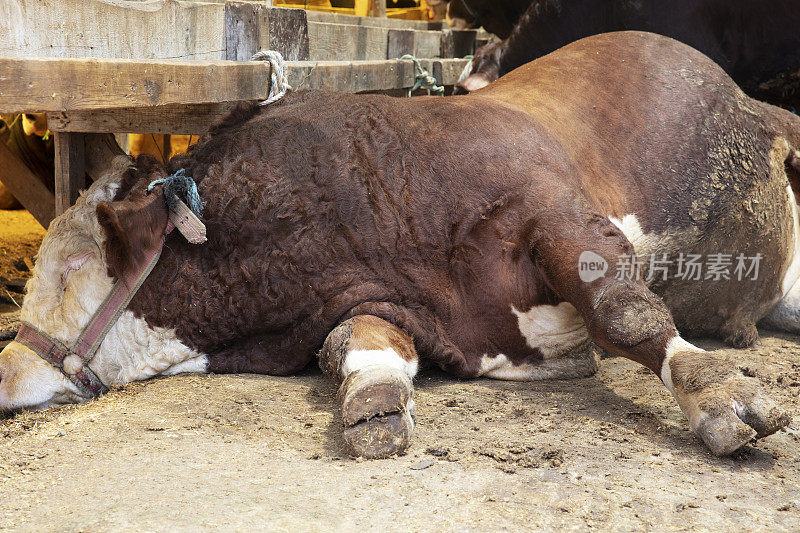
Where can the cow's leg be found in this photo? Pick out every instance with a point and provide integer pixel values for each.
(374, 362)
(785, 316)
(724, 408)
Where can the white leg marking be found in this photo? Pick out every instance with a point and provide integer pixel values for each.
(630, 227)
(500, 367)
(197, 365)
(677, 344)
(552, 329)
(792, 275)
(358, 359)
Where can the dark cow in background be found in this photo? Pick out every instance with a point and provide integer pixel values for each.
(338, 229)
(495, 16)
(757, 42)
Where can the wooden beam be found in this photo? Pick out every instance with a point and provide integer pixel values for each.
(70, 164)
(358, 76)
(26, 187)
(46, 84)
(348, 76)
(172, 119)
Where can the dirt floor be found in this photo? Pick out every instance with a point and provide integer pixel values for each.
(246, 451)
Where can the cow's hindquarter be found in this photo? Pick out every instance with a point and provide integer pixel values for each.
(688, 167)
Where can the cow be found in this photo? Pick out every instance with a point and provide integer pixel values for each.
(497, 17)
(337, 229)
(756, 43)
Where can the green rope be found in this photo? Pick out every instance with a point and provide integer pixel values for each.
(423, 80)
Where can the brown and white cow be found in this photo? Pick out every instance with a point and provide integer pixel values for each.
(337, 228)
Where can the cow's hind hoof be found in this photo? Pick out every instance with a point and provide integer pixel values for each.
(725, 409)
(377, 411)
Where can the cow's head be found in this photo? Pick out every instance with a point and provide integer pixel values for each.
(459, 16)
(84, 250)
(485, 68)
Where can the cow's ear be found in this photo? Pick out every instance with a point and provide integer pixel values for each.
(144, 168)
(132, 228)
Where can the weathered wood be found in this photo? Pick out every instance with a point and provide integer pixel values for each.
(288, 33)
(70, 164)
(171, 119)
(246, 29)
(43, 84)
(100, 150)
(146, 29)
(401, 42)
(349, 76)
(339, 18)
(26, 187)
(458, 43)
(427, 44)
(358, 76)
(342, 42)
(378, 8)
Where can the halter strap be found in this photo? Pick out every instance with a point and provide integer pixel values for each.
(81, 353)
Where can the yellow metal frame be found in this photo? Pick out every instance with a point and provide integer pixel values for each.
(362, 9)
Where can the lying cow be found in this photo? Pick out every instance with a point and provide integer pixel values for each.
(337, 228)
(757, 43)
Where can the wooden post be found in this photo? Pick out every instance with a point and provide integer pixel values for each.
(70, 169)
(379, 8)
(26, 187)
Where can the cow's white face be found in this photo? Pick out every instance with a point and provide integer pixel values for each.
(70, 280)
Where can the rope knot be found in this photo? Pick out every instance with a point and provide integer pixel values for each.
(279, 84)
(423, 79)
(179, 186)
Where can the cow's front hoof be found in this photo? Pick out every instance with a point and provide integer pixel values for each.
(377, 412)
(381, 436)
(725, 408)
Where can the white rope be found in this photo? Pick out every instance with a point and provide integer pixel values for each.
(278, 82)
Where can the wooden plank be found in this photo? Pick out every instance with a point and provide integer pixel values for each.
(70, 165)
(26, 187)
(339, 18)
(358, 76)
(170, 119)
(458, 43)
(288, 33)
(400, 42)
(349, 76)
(345, 42)
(43, 84)
(246, 29)
(427, 44)
(146, 29)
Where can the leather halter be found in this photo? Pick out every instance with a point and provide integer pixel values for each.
(73, 361)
